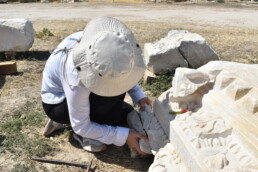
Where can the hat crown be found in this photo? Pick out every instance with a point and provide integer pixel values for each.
(108, 58)
(111, 55)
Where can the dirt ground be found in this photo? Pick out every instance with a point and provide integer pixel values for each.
(231, 29)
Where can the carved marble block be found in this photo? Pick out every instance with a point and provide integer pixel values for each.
(219, 131)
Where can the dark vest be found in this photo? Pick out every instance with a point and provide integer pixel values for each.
(107, 110)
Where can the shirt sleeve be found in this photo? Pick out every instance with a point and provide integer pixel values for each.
(79, 111)
(136, 94)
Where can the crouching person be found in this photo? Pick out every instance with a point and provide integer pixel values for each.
(85, 81)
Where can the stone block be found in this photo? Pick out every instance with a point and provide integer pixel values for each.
(163, 55)
(219, 132)
(16, 35)
(194, 48)
(8, 68)
(178, 49)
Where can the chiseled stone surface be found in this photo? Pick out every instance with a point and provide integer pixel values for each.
(134, 122)
(16, 35)
(219, 131)
(168, 160)
(146, 123)
(153, 129)
(179, 48)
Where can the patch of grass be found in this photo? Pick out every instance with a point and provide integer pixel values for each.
(38, 147)
(44, 33)
(34, 118)
(160, 84)
(221, 1)
(20, 135)
(23, 168)
(12, 126)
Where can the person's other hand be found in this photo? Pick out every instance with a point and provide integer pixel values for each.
(144, 101)
(133, 141)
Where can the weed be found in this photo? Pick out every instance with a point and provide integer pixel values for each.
(221, 1)
(44, 33)
(159, 84)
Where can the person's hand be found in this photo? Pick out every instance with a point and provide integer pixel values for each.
(144, 101)
(133, 141)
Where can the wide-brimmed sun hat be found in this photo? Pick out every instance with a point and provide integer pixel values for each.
(108, 59)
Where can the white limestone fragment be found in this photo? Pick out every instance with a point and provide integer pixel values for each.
(16, 35)
(178, 49)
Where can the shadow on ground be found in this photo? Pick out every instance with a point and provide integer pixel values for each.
(120, 156)
(2, 80)
(28, 55)
(33, 55)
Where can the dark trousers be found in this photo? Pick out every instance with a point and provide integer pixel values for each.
(103, 110)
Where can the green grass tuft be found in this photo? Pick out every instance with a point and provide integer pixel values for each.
(44, 33)
(159, 84)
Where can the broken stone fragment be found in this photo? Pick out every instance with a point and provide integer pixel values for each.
(16, 35)
(179, 48)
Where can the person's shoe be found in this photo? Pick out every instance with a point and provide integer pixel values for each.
(52, 126)
(90, 145)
